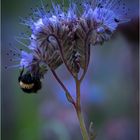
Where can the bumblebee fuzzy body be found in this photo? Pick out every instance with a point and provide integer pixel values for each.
(29, 83)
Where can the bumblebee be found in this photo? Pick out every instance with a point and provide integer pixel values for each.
(29, 83)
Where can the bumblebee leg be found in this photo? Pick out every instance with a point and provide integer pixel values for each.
(21, 74)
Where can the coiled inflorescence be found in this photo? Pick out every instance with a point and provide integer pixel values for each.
(65, 36)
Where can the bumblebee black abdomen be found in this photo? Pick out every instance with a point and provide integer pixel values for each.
(30, 88)
(29, 83)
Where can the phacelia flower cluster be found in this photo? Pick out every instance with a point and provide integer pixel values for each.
(63, 35)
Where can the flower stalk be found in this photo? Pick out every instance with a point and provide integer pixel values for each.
(79, 113)
(82, 125)
(68, 95)
(77, 104)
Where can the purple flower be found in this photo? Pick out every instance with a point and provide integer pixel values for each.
(65, 36)
(26, 59)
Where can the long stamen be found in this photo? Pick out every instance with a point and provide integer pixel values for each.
(17, 39)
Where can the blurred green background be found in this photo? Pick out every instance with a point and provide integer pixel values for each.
(109, 92)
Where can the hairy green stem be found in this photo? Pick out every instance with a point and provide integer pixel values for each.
(82, 125)
(76, 104)
(79, 113)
